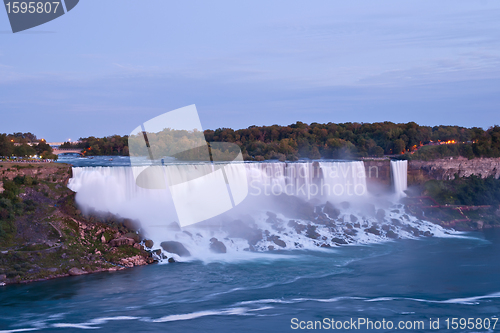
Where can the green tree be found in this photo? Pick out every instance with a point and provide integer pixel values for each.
(6, 146)
(399, 147)
(24, 150)
(376, 151)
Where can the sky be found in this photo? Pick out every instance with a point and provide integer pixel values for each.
(108, 66)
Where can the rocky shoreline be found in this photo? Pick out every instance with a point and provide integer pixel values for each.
(44, 236)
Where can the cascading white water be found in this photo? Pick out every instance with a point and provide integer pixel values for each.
(288, 206)
(114, 189)
(333, 180)
(344, 179)
(399, 173)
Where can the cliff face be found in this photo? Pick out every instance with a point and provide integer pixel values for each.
(444, 169)
(378, 174)
(43, 234)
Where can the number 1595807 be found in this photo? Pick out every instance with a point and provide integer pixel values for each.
(471, 323)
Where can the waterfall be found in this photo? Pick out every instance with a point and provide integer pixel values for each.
(272, 205)
(309, 180)
(399, 173)
(115, 190)
(341, 178)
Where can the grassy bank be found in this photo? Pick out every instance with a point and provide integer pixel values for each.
(43, 234)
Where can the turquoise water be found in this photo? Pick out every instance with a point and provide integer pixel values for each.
(404, 280)
(78, 161)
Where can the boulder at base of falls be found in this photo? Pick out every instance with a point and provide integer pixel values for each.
(134, 261)
(149, 243)
(244, 230)
(175, 247)
(412, 230)
(217, 246)
(396, 222)
(121, 241)
(351, 232)
(274, 221)
(391, 234)
(297, 226)
(373, 230)
(134, 236)
(324, 220)
(331, 210)
(339, 241)
(276, 240)
(139, 246)
(311, 232)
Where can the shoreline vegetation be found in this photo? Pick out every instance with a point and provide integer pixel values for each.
(330, 141)
(463, 203)
(43, 235)
(24, 146)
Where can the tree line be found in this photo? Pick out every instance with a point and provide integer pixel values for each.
(24, 145)
(335, 141)
(92, 146)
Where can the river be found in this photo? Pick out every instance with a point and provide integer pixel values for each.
(408, 282)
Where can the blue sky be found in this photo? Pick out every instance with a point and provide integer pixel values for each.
(107, 66)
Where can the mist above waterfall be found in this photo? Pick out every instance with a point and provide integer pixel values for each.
(288, 206)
